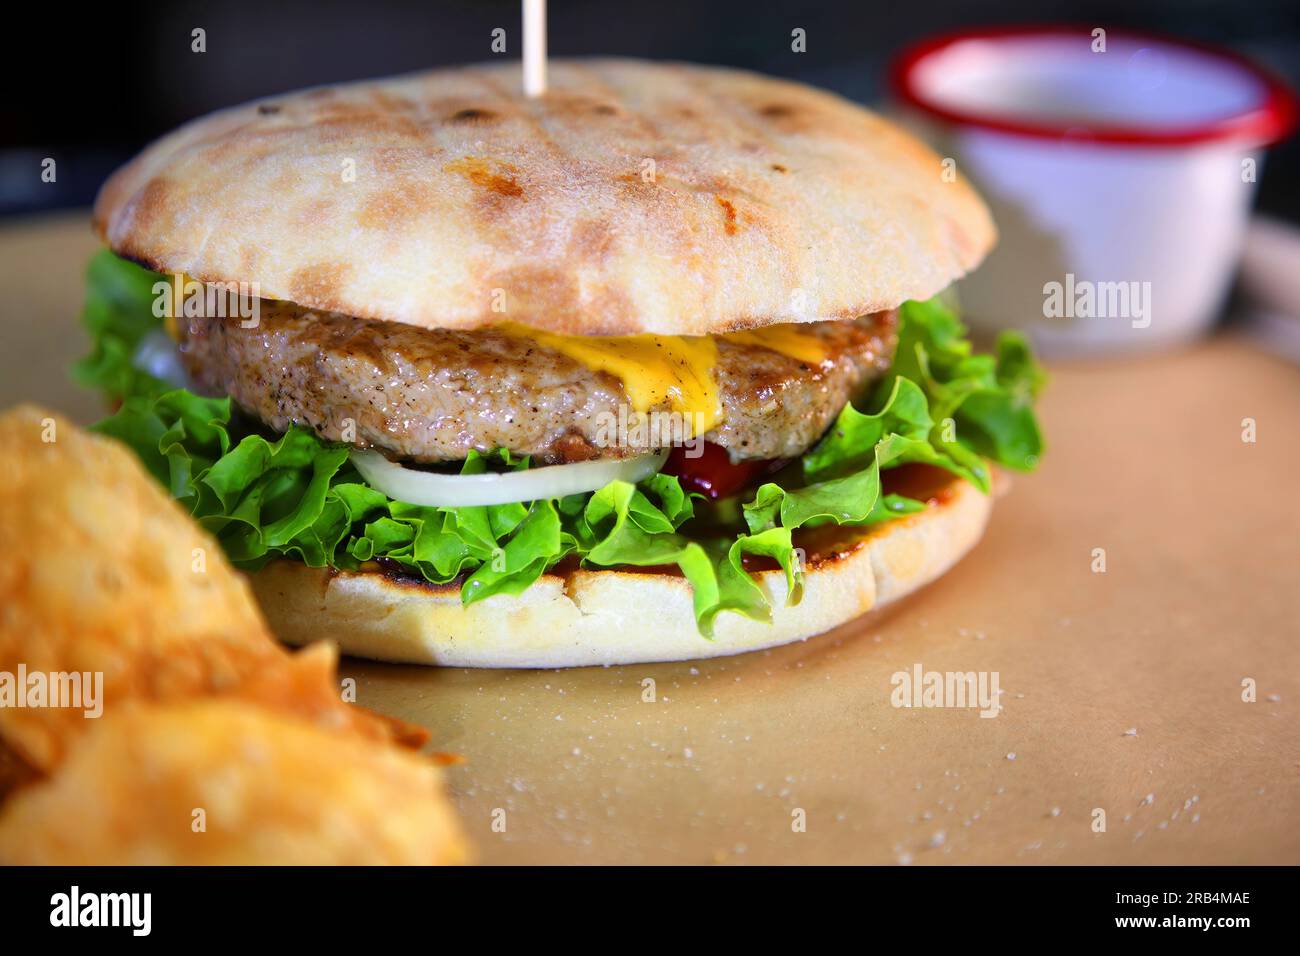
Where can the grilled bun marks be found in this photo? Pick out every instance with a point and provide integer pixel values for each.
(632, 197)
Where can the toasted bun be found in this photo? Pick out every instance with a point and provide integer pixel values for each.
(611, 617)
(632, 197)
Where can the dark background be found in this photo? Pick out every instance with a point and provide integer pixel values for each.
(89, 88)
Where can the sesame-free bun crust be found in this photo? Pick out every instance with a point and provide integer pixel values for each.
(632, 197)
(611, 617)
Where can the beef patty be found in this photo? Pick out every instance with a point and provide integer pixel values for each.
(432, 395)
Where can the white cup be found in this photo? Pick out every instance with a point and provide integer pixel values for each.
(1119, 167)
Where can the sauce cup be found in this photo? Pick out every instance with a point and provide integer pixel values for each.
(1120, 168)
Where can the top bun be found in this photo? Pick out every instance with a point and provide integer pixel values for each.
(431, 198)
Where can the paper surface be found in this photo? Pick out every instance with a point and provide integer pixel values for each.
(1123, 689)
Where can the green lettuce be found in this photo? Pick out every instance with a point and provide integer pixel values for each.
(118, 313)
(981, 405)
(299, 497)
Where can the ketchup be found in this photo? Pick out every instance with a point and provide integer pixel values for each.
(712, 474)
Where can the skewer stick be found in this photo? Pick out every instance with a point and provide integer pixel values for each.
(534, 47)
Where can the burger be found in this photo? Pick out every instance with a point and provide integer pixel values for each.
(658, 365)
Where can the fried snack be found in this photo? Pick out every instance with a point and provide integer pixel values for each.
(14, 771)
(104, 574)
(221, 781)
(306, 684)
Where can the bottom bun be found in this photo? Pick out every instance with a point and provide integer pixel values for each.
(613, 617)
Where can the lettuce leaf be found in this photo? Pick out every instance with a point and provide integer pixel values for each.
(981, 405)
(118, 313)
(938, 405)
(299, 497)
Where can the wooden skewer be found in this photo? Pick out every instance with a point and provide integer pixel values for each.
(534, 47)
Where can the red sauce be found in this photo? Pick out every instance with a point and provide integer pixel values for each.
(713, 474)
(925, 483)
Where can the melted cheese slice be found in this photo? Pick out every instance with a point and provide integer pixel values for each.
(656, 370)
(672, 370)
(178, 282)
(796, 341)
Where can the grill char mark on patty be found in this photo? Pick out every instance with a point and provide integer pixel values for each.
(433, 395)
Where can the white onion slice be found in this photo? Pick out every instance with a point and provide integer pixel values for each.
(157, 355)
(457, 491)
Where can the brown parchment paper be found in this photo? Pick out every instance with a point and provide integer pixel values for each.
(1122, 690)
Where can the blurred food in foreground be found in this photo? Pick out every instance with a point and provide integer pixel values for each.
(106, 582)
(104, 573)
(14, 770)
(215, 782)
